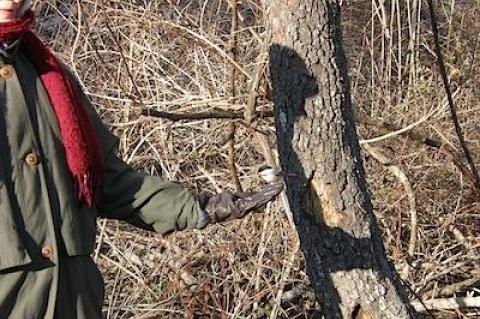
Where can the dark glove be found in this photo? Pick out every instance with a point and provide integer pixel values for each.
(227, 205)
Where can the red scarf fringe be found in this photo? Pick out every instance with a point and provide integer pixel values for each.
(82, 150)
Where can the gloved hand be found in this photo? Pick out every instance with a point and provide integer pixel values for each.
(227, 205)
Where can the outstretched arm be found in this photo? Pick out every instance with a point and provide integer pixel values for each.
(146, 201)
(155, 204)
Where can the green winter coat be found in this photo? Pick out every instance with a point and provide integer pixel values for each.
(45, 236)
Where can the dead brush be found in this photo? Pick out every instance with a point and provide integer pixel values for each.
(173, 56)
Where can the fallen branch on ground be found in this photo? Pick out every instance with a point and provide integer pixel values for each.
(447, 304)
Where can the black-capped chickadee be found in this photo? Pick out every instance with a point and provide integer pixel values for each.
(269, 174)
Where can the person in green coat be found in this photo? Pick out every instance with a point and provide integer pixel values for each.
(59, 170)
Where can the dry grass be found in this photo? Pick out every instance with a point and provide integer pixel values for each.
(171, 55)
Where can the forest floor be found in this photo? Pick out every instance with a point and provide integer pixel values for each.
(174, 56)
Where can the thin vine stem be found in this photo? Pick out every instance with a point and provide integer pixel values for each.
(453, 109)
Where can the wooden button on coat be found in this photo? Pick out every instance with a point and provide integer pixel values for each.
(6, 72)
(31, 159)
(47, 251)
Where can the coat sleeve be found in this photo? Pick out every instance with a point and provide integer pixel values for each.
(143, 200)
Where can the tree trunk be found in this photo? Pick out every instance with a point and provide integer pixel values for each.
(323, 171)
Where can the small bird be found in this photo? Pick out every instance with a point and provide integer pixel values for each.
(269, 174)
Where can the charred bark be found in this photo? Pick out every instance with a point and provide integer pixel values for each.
(323, 170)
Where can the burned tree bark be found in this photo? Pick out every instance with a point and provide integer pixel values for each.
(323, 171)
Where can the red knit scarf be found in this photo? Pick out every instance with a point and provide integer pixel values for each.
(82, 150)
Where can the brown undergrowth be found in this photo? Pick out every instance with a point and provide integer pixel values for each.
(172, 56)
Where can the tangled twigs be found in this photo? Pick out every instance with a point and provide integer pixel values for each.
(420, 137)
(207, 42)
(231, 156)
(124, 60)
(285, 273)
(453, 109)
(232, 44)
(454, 288)
(103, 64)
(402, 177)
(252, 97)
